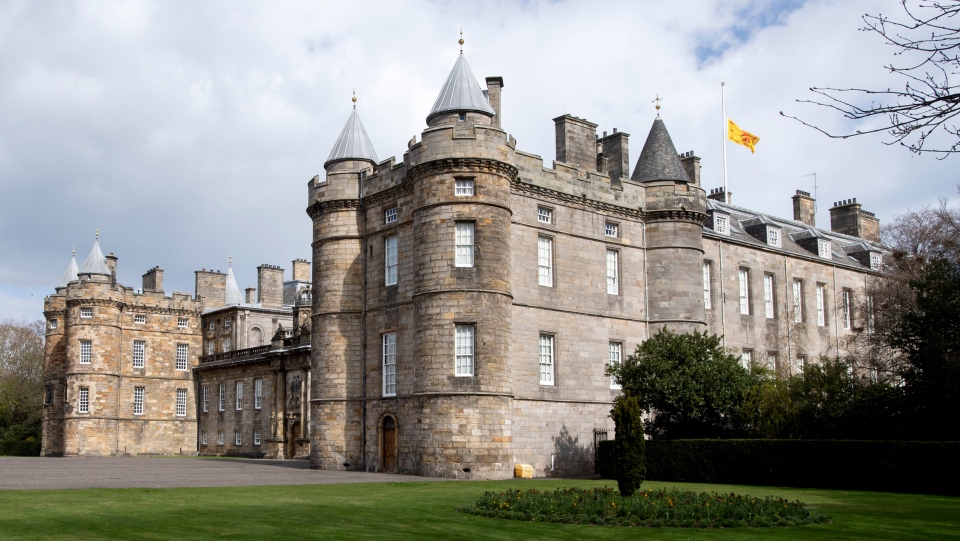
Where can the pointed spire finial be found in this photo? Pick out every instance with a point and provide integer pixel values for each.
(98, 233)
(74, 251)
(354, 98)
(230, 261)
(461, 40)
(657, 100)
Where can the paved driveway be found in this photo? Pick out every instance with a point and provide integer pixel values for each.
(18, 473)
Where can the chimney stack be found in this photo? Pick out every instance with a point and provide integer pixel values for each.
(804, 208)
(153, 280)
(210, 287)
(301, 270)
(576, 142)
(251, 295)
(615, 147)
(494, 89)
(270, 286)
(691, 165)
(849, 218)
(717, 194)
(112, 265)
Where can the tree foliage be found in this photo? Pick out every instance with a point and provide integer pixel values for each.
(629, 445)
(922, 115)
(21, 379)
(688, 386)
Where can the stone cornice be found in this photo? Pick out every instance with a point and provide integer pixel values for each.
(71, 303)
(463, 165)
(125, 307)
(690, 216)
(518, 186)
(393, 192)
(320, 207)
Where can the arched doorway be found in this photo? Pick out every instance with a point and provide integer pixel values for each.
(388, 444)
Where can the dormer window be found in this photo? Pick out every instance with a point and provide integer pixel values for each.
(721, 224)
(773, 237)
(875, 261)
(823, 248)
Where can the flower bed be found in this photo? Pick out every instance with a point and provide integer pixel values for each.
(657, 508)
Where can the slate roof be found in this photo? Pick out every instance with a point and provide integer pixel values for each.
(461, 93)
(842, 246)
(70, 275)
(353, 143)
(659, 159)
(233, 294)
(95, 263)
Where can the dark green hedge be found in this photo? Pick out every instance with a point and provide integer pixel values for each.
(890, 466)
(19, 448)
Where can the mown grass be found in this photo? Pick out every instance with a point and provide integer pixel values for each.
(424, 511)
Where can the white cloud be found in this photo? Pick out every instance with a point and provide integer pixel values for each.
(186, 131)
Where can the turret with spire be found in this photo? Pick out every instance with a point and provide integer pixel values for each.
(461, 98)
(95, 266)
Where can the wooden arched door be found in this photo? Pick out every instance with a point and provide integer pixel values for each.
(388, 447)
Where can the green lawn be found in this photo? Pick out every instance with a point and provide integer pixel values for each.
(421, 511)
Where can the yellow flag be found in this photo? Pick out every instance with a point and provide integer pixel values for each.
(740, 137)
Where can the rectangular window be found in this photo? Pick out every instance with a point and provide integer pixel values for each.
(138, 400)
(545, 261)
(768, 296)
(226, 344)
(721, 224)
(464, 187)
(801, 363)
(206, 389)
(210, 347)
(220, 437)
(773, 361)
(203, 437)
(257, 393)
(139, 318)
(256, 437)
(138, 347)
(390, 364)
(613, 272)
(182, 322)
(181, 356)
(86, 313)
(227, 322)
(707, 271)
(611, 229)
(546, 359)
(464, 353)
(773, 237)
(544, 215)
(847, 302)
(222, 402)
(464, 241)
(237, 438)
(797, 300)
(83, 401)
(875, 261)
(86, 351)
(824, 248)
(746, 358)
(821, 305)
(390, 260)
(239, 395)
(390, 216)
(616, 357)
(212, 325)
(744, 276)
(181, 402)
(53, 324)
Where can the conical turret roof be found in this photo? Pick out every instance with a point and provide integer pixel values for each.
(353, 143)
(233, 295)
(70, 275)
(95, 263)
(461, 93)
(659, 159)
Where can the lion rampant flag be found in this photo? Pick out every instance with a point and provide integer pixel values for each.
(740, 137)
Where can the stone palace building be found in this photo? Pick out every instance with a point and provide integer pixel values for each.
(461, 306)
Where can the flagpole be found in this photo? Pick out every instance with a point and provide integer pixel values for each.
(723, 112)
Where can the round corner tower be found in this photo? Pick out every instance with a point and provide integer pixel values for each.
(674, 212)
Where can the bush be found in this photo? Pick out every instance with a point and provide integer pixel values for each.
(629, 444)
(665, 508)
(19, 448)
(889, 466)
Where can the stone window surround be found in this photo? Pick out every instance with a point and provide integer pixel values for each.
(139, 319)
(390, 215)
(181, 403)
(545, 215)
(464, 186)
(707, 286)
(138, 397)
(545, 261)
(611, 229)
(182, 322)
(256, 437)
(237, 438)
(83, 400)
(203, 437)
(769, 296)
(613, 271)
(206, 389)
(222, 402)
(391, 248)
(743, 279)
(86, 351)
(464, 250)
(615, 349)
(846, 303)
(821, 305)
(388, 352)
(86, 313)
(239, 396)
(547, 356)
(746, 358)
(798, 300)
(220, 437)
(467, 351)
(139, 353)
(258, 393)
(182, 355)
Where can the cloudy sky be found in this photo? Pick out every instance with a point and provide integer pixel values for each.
(187, 131)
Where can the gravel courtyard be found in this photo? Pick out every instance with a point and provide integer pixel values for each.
(25, 473)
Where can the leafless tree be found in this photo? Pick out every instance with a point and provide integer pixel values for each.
(921, 116)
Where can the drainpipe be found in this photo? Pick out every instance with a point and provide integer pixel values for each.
(363, 333)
